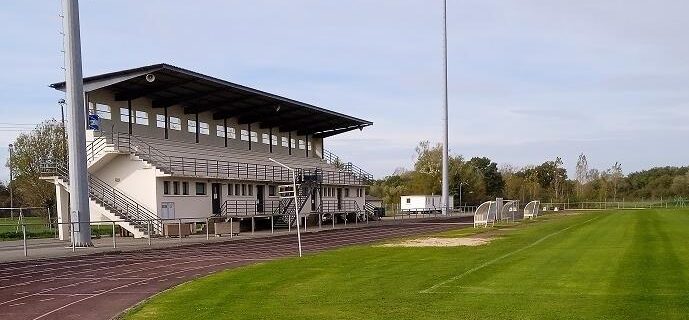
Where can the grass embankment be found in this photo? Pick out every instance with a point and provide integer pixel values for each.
(605, 265)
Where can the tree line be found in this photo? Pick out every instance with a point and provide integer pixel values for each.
(480, 179)
(473, 180)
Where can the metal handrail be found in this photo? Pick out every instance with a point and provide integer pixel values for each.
(210, 168)
(111, 198)
(247, 208)
(345, 205)
(349, 167)
(95, 147)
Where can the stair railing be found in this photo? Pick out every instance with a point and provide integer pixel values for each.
(349, 167)
(95, 147)
(111, 198)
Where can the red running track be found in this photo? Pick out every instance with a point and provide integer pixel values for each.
(101, 286)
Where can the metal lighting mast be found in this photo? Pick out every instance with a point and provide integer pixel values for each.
(446, 187)
(10, 185)
(74, 87)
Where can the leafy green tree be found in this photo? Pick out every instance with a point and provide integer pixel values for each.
(492, 178)
(29, 149)
(4, 195)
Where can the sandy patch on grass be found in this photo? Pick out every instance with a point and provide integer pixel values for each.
(440, 242)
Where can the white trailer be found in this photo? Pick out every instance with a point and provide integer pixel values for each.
(423, 203)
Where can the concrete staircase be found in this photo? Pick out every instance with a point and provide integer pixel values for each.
(111, 203)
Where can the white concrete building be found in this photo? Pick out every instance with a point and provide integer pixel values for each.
(165, 142)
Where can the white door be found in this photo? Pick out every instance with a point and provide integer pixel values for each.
(167, 210)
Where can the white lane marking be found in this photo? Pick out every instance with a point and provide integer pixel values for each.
(507, 255)
(127, 285)
(84, 281)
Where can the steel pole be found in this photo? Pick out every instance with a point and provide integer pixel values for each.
(446, 187)
(10, 184)
(78, 175)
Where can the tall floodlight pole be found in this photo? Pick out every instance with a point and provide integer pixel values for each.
(74, 87)
(11, 187)
(446, 187)
(296, 199)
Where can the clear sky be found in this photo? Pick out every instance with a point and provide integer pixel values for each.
(529, 80)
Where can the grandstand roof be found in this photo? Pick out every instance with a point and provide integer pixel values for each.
(197, 92)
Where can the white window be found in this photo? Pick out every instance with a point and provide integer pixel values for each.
(301, 144)
(244, 135)
(203, 128)
(308, 145)
(160, 120)
(103, 111)
(293, 145)
(220, 131)
(285, 142)
(124, 115)
(175, 123)
(264, 138)
(254, 136)
(274, 140)
(231, 133)
(141, 117)
(191, 126)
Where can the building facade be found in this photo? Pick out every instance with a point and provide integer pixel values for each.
(165, 142)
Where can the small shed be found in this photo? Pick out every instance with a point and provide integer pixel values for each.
(423, 203)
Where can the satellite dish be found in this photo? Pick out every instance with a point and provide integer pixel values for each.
(150, 77)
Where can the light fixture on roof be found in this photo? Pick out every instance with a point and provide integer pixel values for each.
(277, 109)
(150, 77)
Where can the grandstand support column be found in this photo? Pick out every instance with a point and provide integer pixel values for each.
(62, 204)
(78, 176)
(446, 188)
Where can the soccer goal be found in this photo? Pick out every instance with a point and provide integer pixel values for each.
(485, 214)
(531, 209)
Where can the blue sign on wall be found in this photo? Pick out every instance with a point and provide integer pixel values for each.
(94, 122)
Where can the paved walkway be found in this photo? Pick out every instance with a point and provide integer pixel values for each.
(104, 284)
(53, 248)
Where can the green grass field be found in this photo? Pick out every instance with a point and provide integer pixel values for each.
(606, 265)
(36, 228)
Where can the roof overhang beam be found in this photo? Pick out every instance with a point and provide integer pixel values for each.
(164, 103)
(135, 94)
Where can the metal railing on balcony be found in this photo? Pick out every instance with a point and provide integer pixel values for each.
(250, 207)
(214, 168)
(347, 205)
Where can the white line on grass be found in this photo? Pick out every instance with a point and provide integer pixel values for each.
(487, 263)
